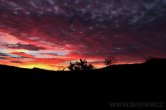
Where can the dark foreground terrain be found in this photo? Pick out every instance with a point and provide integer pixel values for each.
(97, 89)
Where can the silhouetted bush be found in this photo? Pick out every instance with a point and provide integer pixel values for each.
(80, 65)
(109, 61)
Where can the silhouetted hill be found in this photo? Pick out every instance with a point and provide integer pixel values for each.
(85, 89)
(153, 67)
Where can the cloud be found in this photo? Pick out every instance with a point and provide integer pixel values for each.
(24, 46)
(16, 62)
(56, 32)
(3, 54)
(23, 55)
(2, 58)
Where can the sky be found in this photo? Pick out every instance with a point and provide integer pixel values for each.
(49, 34)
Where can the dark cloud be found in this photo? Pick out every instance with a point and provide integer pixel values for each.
(2, 58)
(116, 11)
(16, 62)
(24, 46)
(3, 54)
(53, 54)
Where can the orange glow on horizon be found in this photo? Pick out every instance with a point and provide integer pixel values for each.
(41, 66)
(50, 64)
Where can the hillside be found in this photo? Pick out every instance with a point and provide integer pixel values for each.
(84, 89)
(151, 68)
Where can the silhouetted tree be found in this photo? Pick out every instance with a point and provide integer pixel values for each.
(71, 66)
(80, 65)
(90, 67)
(109, 61)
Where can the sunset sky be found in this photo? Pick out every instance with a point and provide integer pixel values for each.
(49, 34)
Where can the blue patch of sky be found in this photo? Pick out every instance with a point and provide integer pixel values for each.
(43, 53)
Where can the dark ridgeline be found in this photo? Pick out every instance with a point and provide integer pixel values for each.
(85, 88)
(81, 70)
